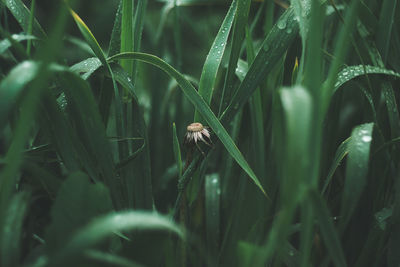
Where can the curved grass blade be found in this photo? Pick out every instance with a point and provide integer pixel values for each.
(109, 259)
(200, 105)
(352, 72)
(11, 230)
(341, 152)
(356, 169)
(283, 33)
(214, 58)
(107, 225)
(328, 231)
(22, 14)
(13, 85)
(5, 44)
(86, 67)
(177, 150)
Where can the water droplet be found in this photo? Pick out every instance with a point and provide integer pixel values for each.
(266, 47)
(289, 30)
(281, 24)
(214, 181)
(366, 138)
(291, 253)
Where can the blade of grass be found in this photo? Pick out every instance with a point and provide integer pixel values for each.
(340, 51)
(241, 16)
(115, 40)
(177, 150)
(67, 214)
(107, 225)
(12, 230)
(328, 232)
(283, 33)
(356, 170)
(200, 105)
(22, 14)
(214, 58)
(213, 216)
(30, 26)
(352, 72)
(341, 152)
(385, 27)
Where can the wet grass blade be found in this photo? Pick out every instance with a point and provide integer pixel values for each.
(200, 105)
(214, 58)
(105, 226)
(283, 33)
(115, 40)
(238, 33)
(352, 72)
(356, 169)
(22, 14)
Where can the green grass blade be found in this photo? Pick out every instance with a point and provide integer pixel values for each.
(214, 58)
(86, 67)
(328, 232)
(177, 150)
(352, 72)
(22, 14)
(200, 105)
(213, 216)
(385, 27)
(105, 226)
(84, 113)
(340, 51)
(238, 33)
(341, 152)
(87, 34)
(6, 44)
(257, 119)
(30, 26)
(141, 166)
(11, 230)
(391, 106)
(12, 86)
(115, 40)
(76, 192)
(356, 169)
(127, 33)
(283, 33)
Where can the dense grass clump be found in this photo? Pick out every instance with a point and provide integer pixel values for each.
(299, 97)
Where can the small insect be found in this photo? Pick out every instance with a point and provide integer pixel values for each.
(197, 132)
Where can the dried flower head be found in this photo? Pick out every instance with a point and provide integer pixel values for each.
(197, 132)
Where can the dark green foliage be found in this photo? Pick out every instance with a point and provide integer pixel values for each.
(301, 100)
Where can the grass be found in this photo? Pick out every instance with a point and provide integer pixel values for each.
(301, 100)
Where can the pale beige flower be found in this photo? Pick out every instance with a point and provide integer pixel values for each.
(197, 132)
